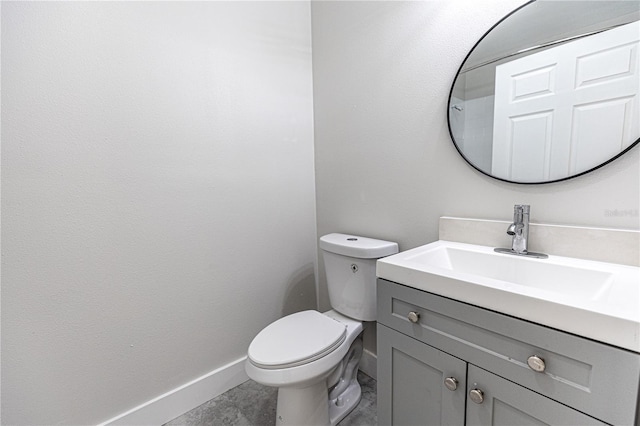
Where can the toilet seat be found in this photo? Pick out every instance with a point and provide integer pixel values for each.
(296, 339)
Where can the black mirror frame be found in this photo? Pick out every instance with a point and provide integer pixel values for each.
(488, 174)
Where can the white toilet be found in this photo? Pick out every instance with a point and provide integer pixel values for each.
(313, 357)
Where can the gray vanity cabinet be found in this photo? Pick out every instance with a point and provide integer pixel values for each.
(426, 341)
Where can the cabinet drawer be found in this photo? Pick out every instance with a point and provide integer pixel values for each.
(595, 378)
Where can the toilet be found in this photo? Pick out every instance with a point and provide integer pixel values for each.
(312, 357)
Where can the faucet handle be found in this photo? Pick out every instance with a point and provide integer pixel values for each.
(520, 214)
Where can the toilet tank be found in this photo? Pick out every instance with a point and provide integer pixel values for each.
(350, 267)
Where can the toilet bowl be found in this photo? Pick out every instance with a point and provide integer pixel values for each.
(304, 375)
(312, 357)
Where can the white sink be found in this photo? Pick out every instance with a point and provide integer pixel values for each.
(574, 280)
(597, 300)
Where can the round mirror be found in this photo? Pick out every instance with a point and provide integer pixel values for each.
(550, 92)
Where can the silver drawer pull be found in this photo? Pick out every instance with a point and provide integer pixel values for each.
(451, 383)
(476, 396)
(413, 316)
(536, 363)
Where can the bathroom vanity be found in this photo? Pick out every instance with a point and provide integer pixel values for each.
(456, 347)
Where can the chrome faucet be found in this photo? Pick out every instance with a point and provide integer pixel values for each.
(519, 230)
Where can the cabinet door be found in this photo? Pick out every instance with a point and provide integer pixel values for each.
(411, 388)
(508, 404)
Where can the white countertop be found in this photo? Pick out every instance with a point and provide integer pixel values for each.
(597, 300)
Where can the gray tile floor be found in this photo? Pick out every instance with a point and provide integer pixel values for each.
(252, 404)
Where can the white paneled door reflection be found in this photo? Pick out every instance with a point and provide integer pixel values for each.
(558, 111)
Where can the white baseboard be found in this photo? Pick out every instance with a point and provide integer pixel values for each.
(184, 398)
(369, 364)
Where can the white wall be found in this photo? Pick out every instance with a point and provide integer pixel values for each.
(158, 178)
(385, 163)
(157, 196)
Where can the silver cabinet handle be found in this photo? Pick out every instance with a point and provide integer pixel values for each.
(536, 363)
(451, 383)
(413, 316)
(476, 396)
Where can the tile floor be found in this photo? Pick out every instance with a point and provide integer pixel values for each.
(252, 404)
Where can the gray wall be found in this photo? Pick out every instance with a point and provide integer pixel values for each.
(157, 196)
(385, 164)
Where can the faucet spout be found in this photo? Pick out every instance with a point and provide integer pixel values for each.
(519, 231)
(515, 229)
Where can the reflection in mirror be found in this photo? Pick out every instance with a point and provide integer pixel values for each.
(551, 92)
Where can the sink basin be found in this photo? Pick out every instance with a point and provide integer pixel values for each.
(576, 281)
(597, 300)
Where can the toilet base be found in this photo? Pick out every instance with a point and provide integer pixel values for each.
(313, 399)
(345, 403)
(345, 393)
(318, 409)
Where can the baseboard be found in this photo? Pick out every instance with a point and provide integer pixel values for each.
(184, 398)
(369, 364)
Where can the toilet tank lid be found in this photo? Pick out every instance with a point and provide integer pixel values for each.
(355, 246)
